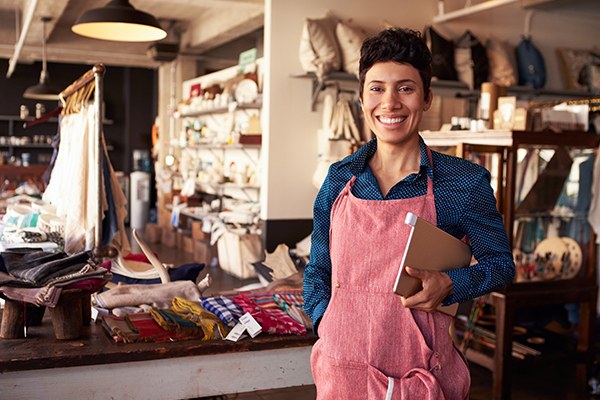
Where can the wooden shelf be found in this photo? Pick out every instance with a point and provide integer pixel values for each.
(221, 110)
(582, 290)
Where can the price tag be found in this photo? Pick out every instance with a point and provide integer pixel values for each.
(236, 333)
(251, 325)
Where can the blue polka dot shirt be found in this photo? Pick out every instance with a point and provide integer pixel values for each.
(465, 206)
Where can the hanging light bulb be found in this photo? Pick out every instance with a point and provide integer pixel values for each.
(119, 21)
(43, 90)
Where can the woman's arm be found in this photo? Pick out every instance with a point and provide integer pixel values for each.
(483, 225)
(317, 275)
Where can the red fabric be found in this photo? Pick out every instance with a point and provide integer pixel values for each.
(370, 345)
(272, 319)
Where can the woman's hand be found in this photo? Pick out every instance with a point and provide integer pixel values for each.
(436, 287)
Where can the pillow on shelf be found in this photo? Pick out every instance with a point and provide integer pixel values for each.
(319, 49)
(576, 63)
(442, 52)
(502, 61)
(350, 40)
(471, 61)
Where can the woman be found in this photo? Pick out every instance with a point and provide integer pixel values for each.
(372, 342)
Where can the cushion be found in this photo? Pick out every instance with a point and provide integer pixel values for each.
(470, 61)
(576, 63)
(594, 78)
(442, 52)
(350, 40)
(502, 61)
(319, 49)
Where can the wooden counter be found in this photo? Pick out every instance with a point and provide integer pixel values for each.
(94, 366)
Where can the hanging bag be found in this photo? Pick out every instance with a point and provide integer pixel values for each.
(532, 70)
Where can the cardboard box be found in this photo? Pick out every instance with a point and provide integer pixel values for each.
(204, 252)
(198, 233)
(153, 233)
(181, 234)
(169, 238)
(188, 244)
(164, 218)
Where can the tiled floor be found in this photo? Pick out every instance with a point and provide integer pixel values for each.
(545, 381)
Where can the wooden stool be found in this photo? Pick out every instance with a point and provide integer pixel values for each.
(70, 314)
(13, 318)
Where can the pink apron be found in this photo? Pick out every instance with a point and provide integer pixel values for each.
(370, 345)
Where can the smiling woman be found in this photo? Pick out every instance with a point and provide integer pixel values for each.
(359, 238)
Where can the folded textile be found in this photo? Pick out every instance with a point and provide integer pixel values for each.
(273, 320)
(119, 330)
(25, 236)
(145, 325)
(39, 267)
(224, 308)
(193, 311)
(159, 295)
(291, 303)
(172, 321)
(45, 296)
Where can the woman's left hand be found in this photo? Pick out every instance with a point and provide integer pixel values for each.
(436, 287)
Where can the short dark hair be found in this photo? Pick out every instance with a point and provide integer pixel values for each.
(400, 45)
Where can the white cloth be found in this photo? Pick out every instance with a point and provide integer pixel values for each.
(73, 187)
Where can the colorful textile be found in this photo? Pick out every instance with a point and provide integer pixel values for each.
(193, 311)
(119, 330)
(292, 298)
(272, 319)
(148, 330)
(172, 321)
(224, 308)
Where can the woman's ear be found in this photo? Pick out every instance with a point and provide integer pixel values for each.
(428, 100)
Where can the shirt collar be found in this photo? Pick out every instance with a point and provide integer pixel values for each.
(359, 161)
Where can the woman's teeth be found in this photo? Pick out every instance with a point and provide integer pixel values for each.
(391, 120)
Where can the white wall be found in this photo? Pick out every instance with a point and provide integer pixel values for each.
(290, 148)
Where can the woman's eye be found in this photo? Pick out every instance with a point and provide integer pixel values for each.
(405, 89)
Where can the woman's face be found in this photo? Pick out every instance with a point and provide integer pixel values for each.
(393, 101)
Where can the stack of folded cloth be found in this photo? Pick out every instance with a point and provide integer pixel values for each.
(38, 277)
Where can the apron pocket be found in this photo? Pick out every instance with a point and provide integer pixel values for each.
(417, 383)
(344, 327)
(336, 379)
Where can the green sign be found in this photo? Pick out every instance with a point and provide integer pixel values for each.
(246, 58)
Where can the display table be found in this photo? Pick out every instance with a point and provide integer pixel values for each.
(94, 366)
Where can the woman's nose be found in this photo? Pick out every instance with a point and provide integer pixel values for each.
(390, 101)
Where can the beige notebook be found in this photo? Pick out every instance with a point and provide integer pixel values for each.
(430, 248)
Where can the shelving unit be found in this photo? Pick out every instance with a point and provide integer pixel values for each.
(582, 289)
(524, 91)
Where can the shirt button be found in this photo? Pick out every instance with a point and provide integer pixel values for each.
(437, 367)
(337, 285)
(437, 355)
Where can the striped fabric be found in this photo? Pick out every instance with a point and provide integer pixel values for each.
(224, 308)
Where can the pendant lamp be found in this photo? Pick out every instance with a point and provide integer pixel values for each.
(43, 90)
(119, 21)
